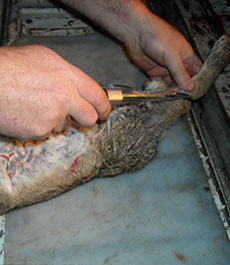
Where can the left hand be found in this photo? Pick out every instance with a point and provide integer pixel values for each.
(161, 51)
(154, 45)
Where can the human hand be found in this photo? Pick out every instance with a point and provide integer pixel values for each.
(161, 51)
(39, 90)
(154, 45)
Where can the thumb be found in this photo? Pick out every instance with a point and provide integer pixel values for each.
(180, 74)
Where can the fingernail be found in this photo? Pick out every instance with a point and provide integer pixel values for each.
(189, 85)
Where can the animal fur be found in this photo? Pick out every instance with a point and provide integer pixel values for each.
(35, 171)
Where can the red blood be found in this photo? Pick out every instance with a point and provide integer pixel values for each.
(74, 164)
(6, 157)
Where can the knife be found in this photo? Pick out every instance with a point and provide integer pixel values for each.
(118, 94)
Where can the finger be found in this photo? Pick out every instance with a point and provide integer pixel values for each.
(193, 65)
(44, 136)
(167, 80)
(157, 70)
(63, 125)
(36, 138)
(82, 111)
(138, 57)
(179, 73)
(151, 68)
(93, 93)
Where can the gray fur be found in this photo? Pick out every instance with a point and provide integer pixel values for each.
(35, 171)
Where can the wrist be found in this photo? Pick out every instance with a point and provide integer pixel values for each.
(132, 22)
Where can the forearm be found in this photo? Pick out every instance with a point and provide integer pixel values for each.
(152, 44)
(121, 17)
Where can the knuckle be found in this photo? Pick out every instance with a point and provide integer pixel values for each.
(57, 113)
(47, 122)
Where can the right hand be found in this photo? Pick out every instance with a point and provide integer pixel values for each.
(39, 89)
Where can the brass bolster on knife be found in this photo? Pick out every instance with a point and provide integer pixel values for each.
(115, 96)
